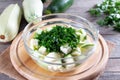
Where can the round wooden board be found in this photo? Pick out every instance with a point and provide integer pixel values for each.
(30, 70)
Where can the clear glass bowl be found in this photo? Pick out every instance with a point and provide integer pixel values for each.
(64, 19)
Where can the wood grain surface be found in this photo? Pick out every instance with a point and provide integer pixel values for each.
(80, 7)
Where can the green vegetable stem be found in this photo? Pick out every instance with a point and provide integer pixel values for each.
(58, 6)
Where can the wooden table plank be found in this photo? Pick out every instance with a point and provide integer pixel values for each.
(3, 47)
(116, 52)
(110, 76)
(113, 65)
(114, 38)
(4, 77)
(80, 8)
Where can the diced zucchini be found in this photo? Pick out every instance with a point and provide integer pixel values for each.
(69, 59)
(38, 31)
(65, 49)
(82, 33)
(80, 58)
(87, 45)
(51, 57)
(42, 50)
(86, 48)
(77, 52)
(37, 54)
(34, 44)
(56, 67)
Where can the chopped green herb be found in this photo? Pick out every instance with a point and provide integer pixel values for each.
(57, 37)
(111, 10)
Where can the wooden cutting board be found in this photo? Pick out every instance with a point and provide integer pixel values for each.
(30, 70)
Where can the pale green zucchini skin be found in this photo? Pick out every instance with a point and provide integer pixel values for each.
(9, 22)
(32, 9)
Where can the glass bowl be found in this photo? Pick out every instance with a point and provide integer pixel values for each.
(62, 19)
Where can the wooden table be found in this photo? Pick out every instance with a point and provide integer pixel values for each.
(80, 7)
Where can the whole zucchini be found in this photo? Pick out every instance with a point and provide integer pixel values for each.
(58, 6)
(32, 9)
(9, 22)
